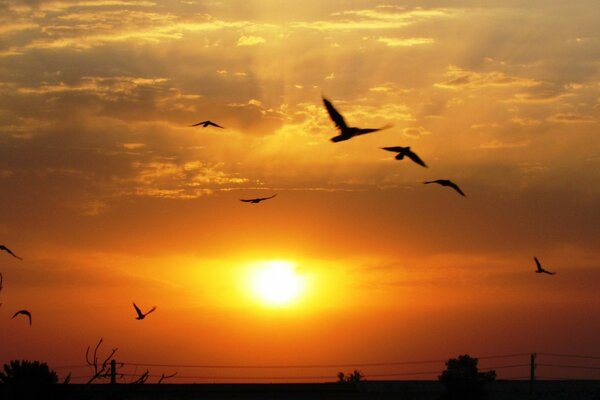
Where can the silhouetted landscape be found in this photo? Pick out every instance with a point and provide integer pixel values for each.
(196, 204)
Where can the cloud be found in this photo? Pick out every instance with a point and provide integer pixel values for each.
(250, 40)
(460, 78)
(496, 144)
(415, 132)
(405, 42)
(373, 19)
(573, 118)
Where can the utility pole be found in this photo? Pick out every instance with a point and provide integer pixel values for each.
(532, 372)
(113, 371)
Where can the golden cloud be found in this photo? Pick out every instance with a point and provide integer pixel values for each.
(250, 40)
(405, 42)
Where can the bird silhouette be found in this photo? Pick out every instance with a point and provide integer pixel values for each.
(258, 199)
(346, 132)
(24, 312)
(140, 314)
(541, 270)
(6, 249)
(449, 183)
(405, 152)
(207, 123)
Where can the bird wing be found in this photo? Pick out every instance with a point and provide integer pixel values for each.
(266, 198)
(24, 312)
(149, 311)
(415, 158)
(138, 311)
(335, 115)
(362, 131)
(393, 148)
(213, 124)
(455, 187)
(539, 266)
(247, 200)
(200, 123)
(2, 247)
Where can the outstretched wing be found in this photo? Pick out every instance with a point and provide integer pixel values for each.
(24, 312)
(247, 200)
(200, 123)
(138, 311)
(335, 115)
(539, 266)
(266, 198)
(393, 148)
(149, 311)
(362, 131)
(415, 158)
(455, 187)
(6, 249)
(213, 124)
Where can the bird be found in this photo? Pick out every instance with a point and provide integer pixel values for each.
(258, 199)
(140, 314)
(449, 183)
(24, 312)
(346, 132)
(6, 249)
(207, 123)
(405, 152)
(541, 270)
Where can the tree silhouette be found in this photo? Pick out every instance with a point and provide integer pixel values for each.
(354, 377)
(30, 373)
(462, 380)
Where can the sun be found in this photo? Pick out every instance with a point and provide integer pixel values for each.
(277, 283)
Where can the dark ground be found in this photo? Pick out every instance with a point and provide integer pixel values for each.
(369, 390)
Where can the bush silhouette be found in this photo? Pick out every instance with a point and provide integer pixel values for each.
(462, 380)
(30, 373)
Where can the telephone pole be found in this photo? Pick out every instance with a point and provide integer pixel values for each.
(113, 371)
(532, 372)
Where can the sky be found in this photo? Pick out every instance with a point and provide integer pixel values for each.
(110, 196)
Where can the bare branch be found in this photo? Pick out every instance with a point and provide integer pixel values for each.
(100, 370)
(163, 377)
(142, 378)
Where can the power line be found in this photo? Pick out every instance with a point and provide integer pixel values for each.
(504, 356)
(508, 366)
(569, 356)
(71, 366)
(301, 366)
(568, 366)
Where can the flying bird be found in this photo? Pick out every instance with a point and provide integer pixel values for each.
(140, 314)
(207, 123)
(449, 183)
(405, 152)
(24, 312)
(541, 270)
(6, 249)
(346, 132)
(258, 199)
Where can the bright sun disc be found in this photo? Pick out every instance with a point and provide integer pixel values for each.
(276, 282)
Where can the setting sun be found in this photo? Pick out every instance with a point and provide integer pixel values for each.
(276, 282)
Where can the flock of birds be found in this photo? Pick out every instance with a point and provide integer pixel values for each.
(345, 133)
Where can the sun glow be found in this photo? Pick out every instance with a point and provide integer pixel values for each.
(277, 283)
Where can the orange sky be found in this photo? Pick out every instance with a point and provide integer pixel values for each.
(111, 197)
